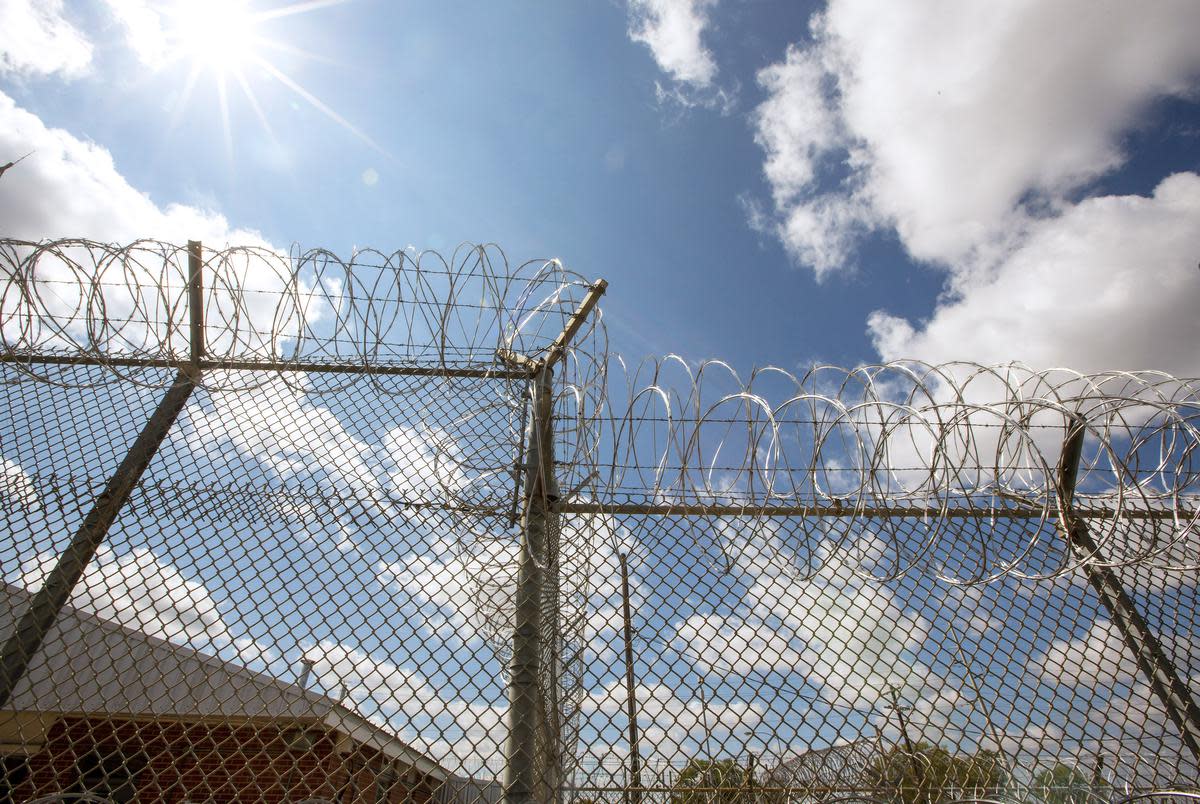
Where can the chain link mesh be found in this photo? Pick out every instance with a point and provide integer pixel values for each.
(886, 583)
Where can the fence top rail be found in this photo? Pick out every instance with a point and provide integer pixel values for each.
(31, 360)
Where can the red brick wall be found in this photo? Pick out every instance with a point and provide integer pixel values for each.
(217, 763)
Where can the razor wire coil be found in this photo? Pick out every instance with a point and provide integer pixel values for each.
(847, 483)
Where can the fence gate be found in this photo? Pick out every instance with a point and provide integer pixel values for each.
(291, 527)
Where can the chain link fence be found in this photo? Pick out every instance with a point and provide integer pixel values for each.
(287, 527)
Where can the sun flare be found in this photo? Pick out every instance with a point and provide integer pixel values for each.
(222, 39)
(215, 34)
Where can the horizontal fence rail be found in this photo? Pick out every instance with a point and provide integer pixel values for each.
(286, 526)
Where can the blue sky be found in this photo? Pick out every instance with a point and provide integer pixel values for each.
(764, 182)
(569, 131)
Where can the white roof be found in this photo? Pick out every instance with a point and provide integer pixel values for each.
(88, 666)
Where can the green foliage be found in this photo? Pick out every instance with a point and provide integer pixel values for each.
(1062, 784)
(696, 781)
(932, 774)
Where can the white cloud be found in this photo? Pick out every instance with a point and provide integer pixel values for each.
(850, 637)
(297, 438)
(952, 123)
(1112, 702)
(422, 463)
(285, 426)
(139, 591)
(672, 29)
(968, 130)
(936, 713)
(795, 125)
(823, 231)
(71, 188)
(593, 563)
(738, 645)
(36, 39)
(144, 30)
(458, 733)
(1098, 658)
(857, 640)
(671, 725)
(463, 589)
(467, 596)
(378, 688)
(1110, 283)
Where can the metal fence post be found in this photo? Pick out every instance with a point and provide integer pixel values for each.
(634, 793)
(550, 757)
(521, 780)
(1136, 633)
(533, 773)
(196, 303)
(60, 583)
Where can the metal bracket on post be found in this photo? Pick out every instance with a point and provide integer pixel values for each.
(558, 347)
(1139, 638)
(524, 781)
(60, 583)
(196, 302)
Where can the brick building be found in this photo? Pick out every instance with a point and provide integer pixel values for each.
(113, 711)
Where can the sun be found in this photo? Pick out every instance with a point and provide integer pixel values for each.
(218, 35)
(224, 39)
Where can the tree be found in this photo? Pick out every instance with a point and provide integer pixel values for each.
(1062, 784)
(709, 781)
(931, 774)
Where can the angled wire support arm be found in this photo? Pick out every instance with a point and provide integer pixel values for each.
(61, 581)
(1141, 641)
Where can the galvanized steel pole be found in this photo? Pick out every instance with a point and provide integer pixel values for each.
(60, 583)
(532, 704)
(635, 760)
(521, 780)
(1139, 638)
